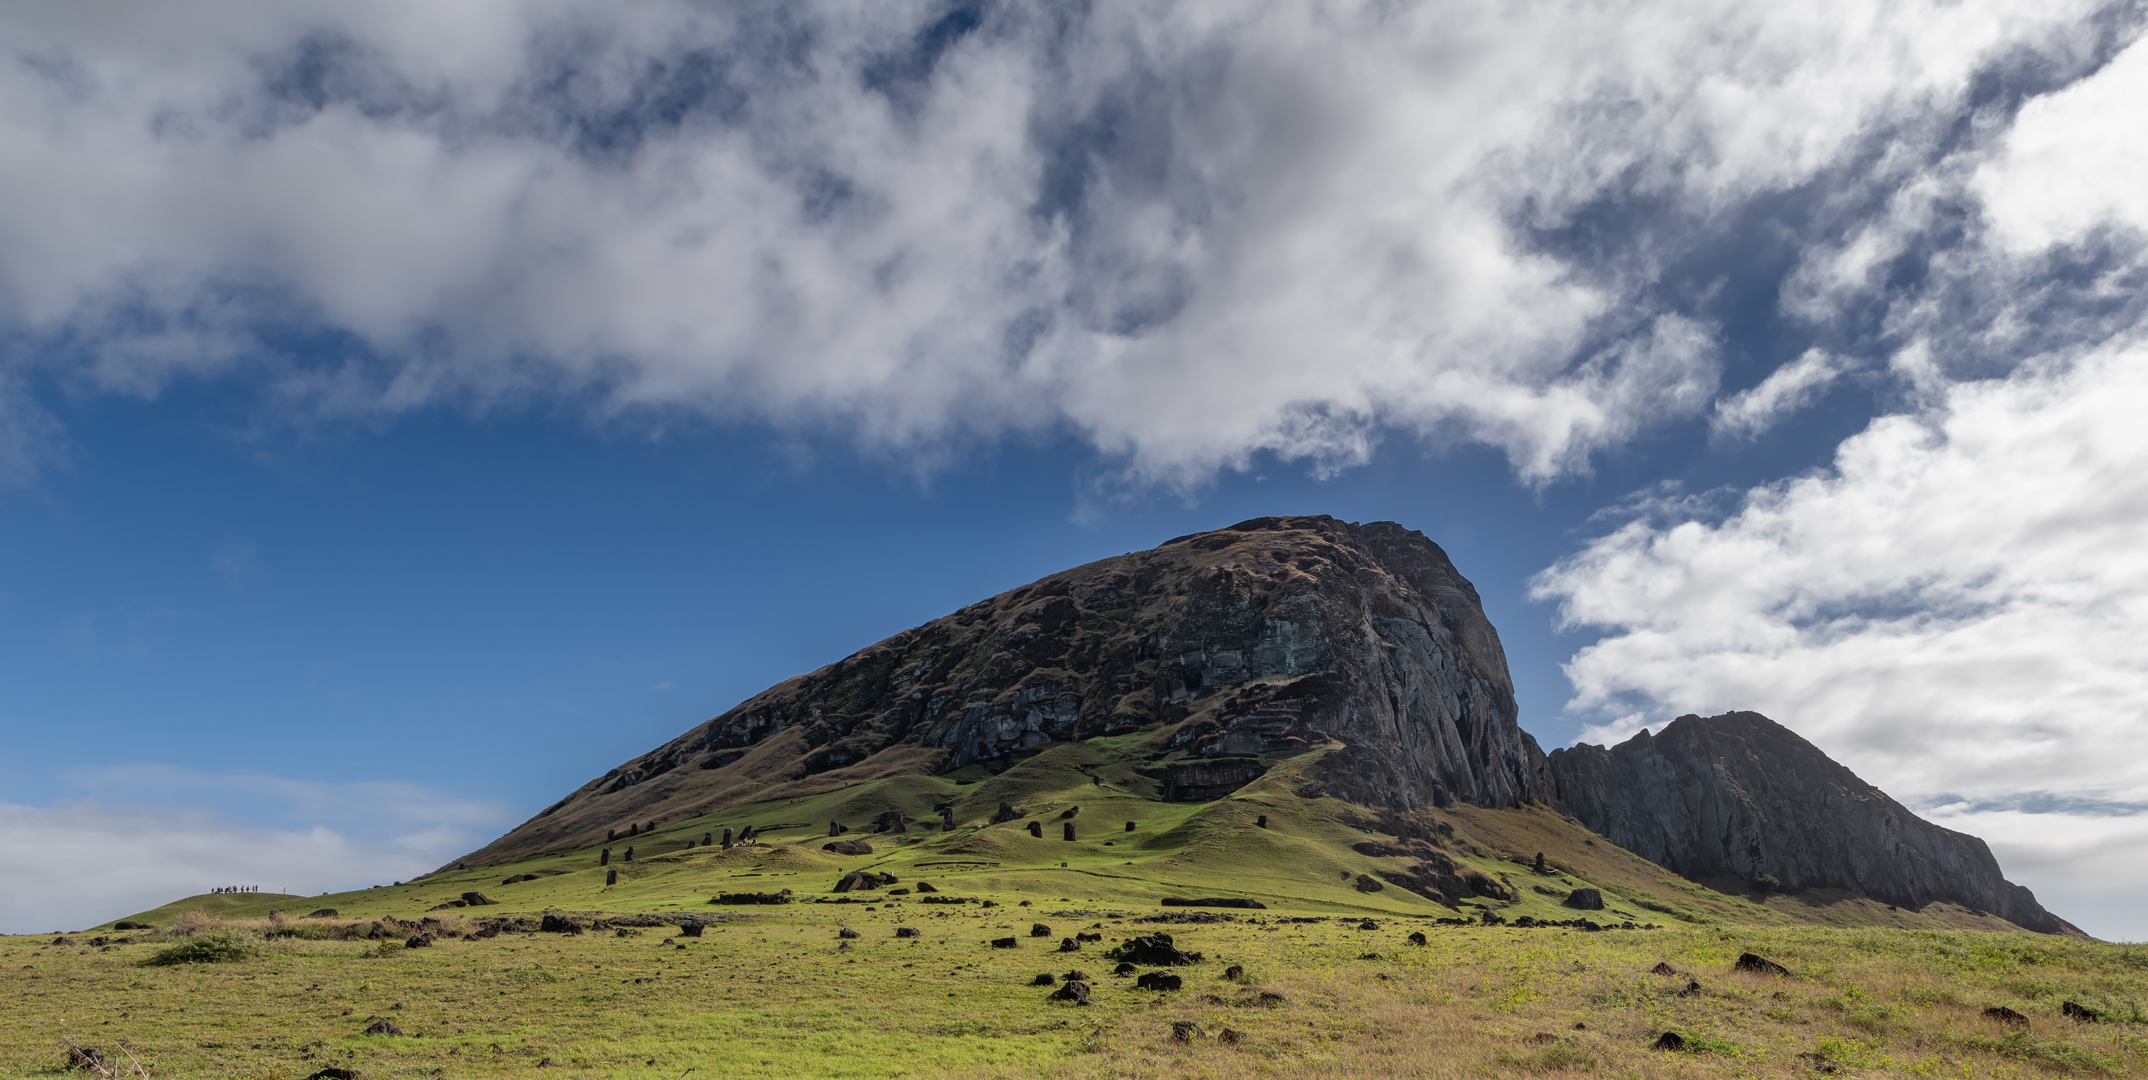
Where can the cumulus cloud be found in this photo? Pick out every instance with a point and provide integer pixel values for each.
(2073, 161)
(145, 838)
(1188, 232)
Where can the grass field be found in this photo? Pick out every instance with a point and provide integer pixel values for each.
(774, 990)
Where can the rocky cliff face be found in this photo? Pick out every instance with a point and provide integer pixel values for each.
(1739, 795)
(1270, 637)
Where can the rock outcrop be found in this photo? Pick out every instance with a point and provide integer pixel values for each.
(1740, 796)
(1271, 637)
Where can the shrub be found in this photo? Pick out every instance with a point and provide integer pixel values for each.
(210, 947)
(1767, 883)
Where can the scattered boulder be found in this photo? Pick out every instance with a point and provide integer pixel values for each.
(1670, 1040)
(1367, 884)
(1075, 975)
(1124, 969)
(1069, 945)
(783, 897)
(1234, 972)
(1039, 930)
(1585, 900)
(1007, 812)
(324, 913)
(1004, 943)
(1369, 956)
(908, 931)
(925, 887)
(129, 924)
(690, 929)
(1213, 901)
(1129, 826)
(1417, 937)
(2004, 1015)
(1074, 990)
(1663, 967)
(863, 879)
(1230, 1036)
(477, 899)
(1160, 980)
(558, 924)
(1760, 965)
(847, 847)
(1692, 988)
(63, 940)
(334, 1073)
(518, 878)
(1184, 1030)
(382, 1027)
(1368, 924)
(848, 933)
(1153, 950)
(2079, 1013)
(1044, 978)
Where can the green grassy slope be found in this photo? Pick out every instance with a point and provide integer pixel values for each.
(1302, 861)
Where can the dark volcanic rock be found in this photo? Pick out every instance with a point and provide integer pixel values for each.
(847, 847)
(1160, 980)
(1759, 965)
(1585, 900)
(1153, 950)
(1738, 795)
(1212, 901)
(128, 924)
(1270, 637)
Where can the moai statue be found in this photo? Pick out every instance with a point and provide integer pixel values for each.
(707, 839)
(835, 829)
(1036, 829)
(650, 827)
(632, 829)
(902, 825)
(611, 834)
(611, 877)
(1129, 826)
(1069, 832)
(947, 820)
(1539, 862)
(1262, 823)
(630, 854)
(604, 858)
(727, 838)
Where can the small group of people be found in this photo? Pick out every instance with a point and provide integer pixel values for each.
(236, 888)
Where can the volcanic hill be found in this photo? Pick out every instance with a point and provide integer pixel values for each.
(1339, 678)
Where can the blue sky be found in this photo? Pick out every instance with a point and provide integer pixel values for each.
(408, 414)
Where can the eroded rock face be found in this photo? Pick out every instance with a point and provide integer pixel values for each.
(1739, 795)
(1271, 637)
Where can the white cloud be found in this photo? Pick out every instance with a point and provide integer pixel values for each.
(147, 838)
(1786, 390)
(2073, 161)
(1953, 609)
(1189, 232)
